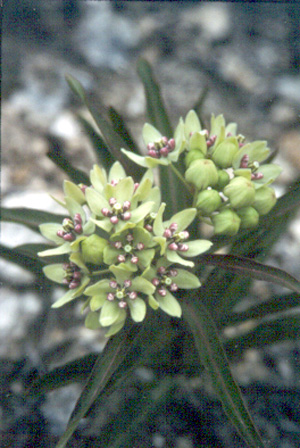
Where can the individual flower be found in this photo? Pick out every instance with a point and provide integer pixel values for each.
(172, 237)
(265, 199)
(227, 222)
(202, 173)
(240, 191)
(160, 149)
(113, 298)
(208, 201)
(167, 280)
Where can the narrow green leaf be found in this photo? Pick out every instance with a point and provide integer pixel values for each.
(23, 258)
(258, 271)
(212, 355)
(120, 128)
(157, 114)
(29, 217)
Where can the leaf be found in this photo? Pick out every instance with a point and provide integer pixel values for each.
(258, 271)
(29, 217)
(121, 129)
(157, 114)
(112, 140)
(22, 256)
(212, 355)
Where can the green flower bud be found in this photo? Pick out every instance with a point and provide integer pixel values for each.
(265, 200)
(223, 180)
(227, 222)
(192, 155)
(208, 201)
(223, 154)
(92, 249)
(202, 174)
(249, 217)
(240, 191)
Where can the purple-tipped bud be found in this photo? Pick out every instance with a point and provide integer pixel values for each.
(134, 260)
(110, 297)
(244, 161)
(161, 270)
(241, 144)
(167, 233)
(113, 284)
(256, 176)
(83, 187)
(78, 228)
(118, 245)
(69, 237)
(148, 227)
(140, 246)
(65, 281)
(173, 246)
(184, 234)
(173, 287)
(136, 186)
(74, 284)
(126, 216)
(105, 212)
(171, 144)
(164, 140)
(132, 295)
(173, 227)
(150, 146)
(127, 283)
(129, 237)
(114, 182)
(153, 153)
(114, 220)
(162, 292)
(164, 152)
(126, 205)
(77, 275)
(77, 218)
(60, 233)
(112, 202)
(155, 281)
(121, 258)
(183, 247)
(173, 272)
(122, 304)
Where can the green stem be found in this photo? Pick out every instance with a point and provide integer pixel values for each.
(181, 178)
(103, 271)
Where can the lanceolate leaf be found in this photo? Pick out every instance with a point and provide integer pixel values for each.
(24, 258)
(213, 356)
(29, 217)
(121, 129)
(253, 269)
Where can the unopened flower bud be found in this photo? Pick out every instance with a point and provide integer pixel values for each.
(173, 227)
(140, 246)
(171, 144)
(121, 258)
(126, 206)
(148, 227)
(113, 284)
(132, 295)
(127, 283)
(265, 199)
(249, 217)
(227, 222)
(173, 246)
(150, 146)
(161, 270)
(112, 201)
(223, 154)
(155, 281)
(164, 152)
(202, 174)
(223, 180)
(153, 153)
(122, 304)
(126, 216)
(77, 218)
(74, 284)
(193, 155)
(114, 220)
(110, 297)
(118, 245)
(244, 161)
(173, 287)
(78, 228)
(167, 233)
(105, 212)
(173, 272)
(129, 237)
(69, 237)
(208, 201)
(162, 292)
(240, 192)
(77, 275)
(60, 233)
(134, 260)
(136, 186)
(183, 247)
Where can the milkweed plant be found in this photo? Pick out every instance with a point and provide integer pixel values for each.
(131, 244)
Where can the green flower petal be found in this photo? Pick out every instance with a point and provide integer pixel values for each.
(270, 173)
(116, 327)
(55, 272)
(139, 160)
(257, 151)
(186, 280)
(63, 249)
(73, 208)
(150, 134)
(183, 219)
(73, 191)
(104, 224)
(217, 124)
(71, 294)
(169, 304)
(140, 284)
(76, 258)
(121, 273)
(123, 190)
(98, 178)
(145, 257)
(49, 231)
(137, 309)
(198, 143)
(110, 255)
(92, 249)
(191, 124)
(98, 288)
(158, 227)
(97, 301)
(197, 247)
(116, 172)
(110, 312)
(140, 212)
(96, 201)
(173, 256)
(153, 303)
(162, 242)
(143, 190)
(92, 321)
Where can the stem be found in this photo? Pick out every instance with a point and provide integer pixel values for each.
(181, 178)
(103, 271)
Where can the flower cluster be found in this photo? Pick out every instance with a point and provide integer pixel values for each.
(118, 251)
(230, 181)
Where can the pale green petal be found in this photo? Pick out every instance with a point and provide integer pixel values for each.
(88, 228)
(183, 219)
(116, 327)
(121, 273)
(73, 191)
(137, 309)
(162, 242)
(110, 255)
(153, 163)
(140, 284)
(198, 142)
(97, 301)
(49, 231)
(231, 128)
(98, 178)
(63, 249)
(158, 227)
(169, 304)
(98, 288)
(55, 272)
(71, 294)
(96, 201)
(257, 151)
(143, 190)
(150, 134)
(76, 257)
(186, 280)
(92, 321)
(139, 160)
(149, 273)
(124, 190)
(270, 173)
(197, 247)
(140, 212)
(92, 249)
(145, 257)
(192, 123)
(155, 196)
(110, 312)
(116, 172)
(104, 224)
(153, 303)
(73, 208)
(216, 124)
(244, 172)
(174, 257)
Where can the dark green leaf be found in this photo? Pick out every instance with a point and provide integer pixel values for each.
(28, 261)
(253, 269)
(212, 355)
(157, 114)
(29, 217)
(121, 129)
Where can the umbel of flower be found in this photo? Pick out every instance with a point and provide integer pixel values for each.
(160, 149)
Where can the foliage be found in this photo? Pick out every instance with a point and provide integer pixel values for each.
(131, 264)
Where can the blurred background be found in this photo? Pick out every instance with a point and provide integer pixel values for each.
(244, 57)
